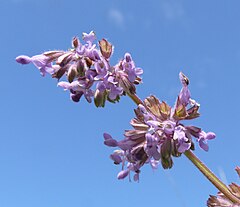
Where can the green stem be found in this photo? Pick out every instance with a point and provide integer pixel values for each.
(211, 177)
(199, 164)
(135, 98)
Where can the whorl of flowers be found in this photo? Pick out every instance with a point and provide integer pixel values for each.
(158, 133)
(88, 71)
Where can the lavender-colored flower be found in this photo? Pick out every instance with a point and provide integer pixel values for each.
(109, 141)
(78, 88)
(88, 71)
(42, 62)
(158, 133)
(130, 69)
(181, 137)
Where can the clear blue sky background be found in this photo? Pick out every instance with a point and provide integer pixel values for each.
(51, 149)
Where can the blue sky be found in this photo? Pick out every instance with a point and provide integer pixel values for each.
(51, 149)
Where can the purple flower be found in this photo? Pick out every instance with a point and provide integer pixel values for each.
(116, 157)
(88, 71)
(109, 141)
(158, 133)
(203, 138)
(77, 89)
(42, 62)
(152, 148)
(89, 38)
(114, 91)
(130, 69)
(182, 139)
(184, 95)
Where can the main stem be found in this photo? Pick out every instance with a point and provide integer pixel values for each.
(199, 164)
(211, 177)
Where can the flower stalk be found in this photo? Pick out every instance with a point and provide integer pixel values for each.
(135, 98)
(211, 177)
(199, 164)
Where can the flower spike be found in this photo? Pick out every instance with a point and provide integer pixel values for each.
(88, 71)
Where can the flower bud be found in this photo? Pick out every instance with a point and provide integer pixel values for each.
(72, 72)
(81, 68)
(121, 175)
(53, 55)
(127, 86)
(64, 59)
(167, 163)
(76, 96)
(105, 48)
(23, 59)
(100, 98)
(138, 80)
(59, 73)
(128, 57)
(184, 79)
(75, 42)
(109, 141)
(116, 158)
(88, 62)
(136, 177)
(175, 152)
(166, 150)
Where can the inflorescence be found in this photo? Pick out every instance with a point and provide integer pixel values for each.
(158, 134)
(87, 66)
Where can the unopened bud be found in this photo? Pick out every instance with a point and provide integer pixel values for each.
(166, 149)
(64, 59)
(123, 174)
(105, 48)
(184, 79)
(53, 55)
(80, 68)
(23, 59)
(175, 152)
(88, 62)
(59, 73)
(167, 163)
(75, 42)
(72, 72)
(166, 159)
(127, 86)
(138, 80)
(76, 96)
(128, 57)
(100, 98)
(116, 158)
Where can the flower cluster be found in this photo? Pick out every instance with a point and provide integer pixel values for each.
(87, 66)
(221, 200)
(158, 133)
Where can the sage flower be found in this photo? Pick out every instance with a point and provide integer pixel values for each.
(87, 70)
(159, 133)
